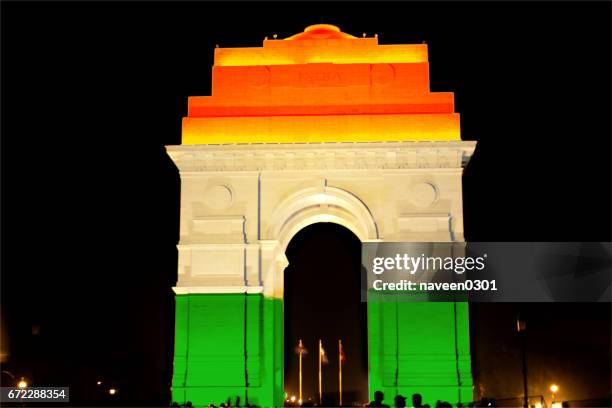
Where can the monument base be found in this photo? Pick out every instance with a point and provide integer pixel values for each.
(228, 346)
(419, 347)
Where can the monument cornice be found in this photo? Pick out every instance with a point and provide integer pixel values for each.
(322, 156)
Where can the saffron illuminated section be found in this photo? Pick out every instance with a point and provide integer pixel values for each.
(321, 86)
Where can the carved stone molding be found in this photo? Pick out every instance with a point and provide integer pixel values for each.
(318, 156)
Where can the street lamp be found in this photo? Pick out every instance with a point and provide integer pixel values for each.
(112, 391)
(554, 388)
(521, 327)
(22, 383)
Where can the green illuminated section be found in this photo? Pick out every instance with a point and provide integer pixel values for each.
(228, 345)
(419, 347)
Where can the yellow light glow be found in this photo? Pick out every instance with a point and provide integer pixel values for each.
(317, 129)
(554, 388)
(556, 405)
(22, 383)
(538, 405)
(112, 391)
(293, 398)
(375, 54)
(319, 44)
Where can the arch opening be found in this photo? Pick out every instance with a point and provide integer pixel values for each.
(322, 300)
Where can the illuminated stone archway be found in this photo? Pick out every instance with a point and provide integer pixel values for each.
(320, 127)
(310, 206)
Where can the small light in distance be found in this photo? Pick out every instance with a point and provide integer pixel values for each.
(112, 391)
(22, 383)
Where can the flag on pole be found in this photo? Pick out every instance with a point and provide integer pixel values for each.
(340, 362)
(324, 359)
(300, 349)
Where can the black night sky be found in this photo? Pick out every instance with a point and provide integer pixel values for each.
(93, 91)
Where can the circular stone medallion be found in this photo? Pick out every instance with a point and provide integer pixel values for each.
(424, 194)
(218, 197)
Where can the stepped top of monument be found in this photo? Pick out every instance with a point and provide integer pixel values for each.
(321, 43)
(321, 85)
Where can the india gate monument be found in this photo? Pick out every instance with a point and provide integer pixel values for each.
(322, 126)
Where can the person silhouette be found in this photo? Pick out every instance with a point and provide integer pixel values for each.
(417, 400)
(378, 400)
(400, 401)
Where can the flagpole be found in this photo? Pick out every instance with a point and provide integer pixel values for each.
(340, 368)
(320, 378)
(301, 348)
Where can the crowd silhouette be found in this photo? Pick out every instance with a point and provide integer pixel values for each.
(417, 402)
(399, 401)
